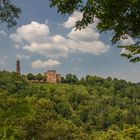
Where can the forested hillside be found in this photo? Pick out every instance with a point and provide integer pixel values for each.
(92, 108)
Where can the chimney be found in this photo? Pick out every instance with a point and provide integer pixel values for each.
(18, 66)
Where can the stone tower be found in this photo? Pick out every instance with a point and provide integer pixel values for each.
(18, 66)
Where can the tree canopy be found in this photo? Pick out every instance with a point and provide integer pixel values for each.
(120, 17)
(93, 108)
(9, 13)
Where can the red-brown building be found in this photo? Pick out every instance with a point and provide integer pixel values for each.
(53, 77)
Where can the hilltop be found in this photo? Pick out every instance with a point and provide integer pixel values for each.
(92, 108)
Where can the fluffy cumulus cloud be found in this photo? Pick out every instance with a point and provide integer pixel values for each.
(126, 40)
(31, 32)
(87, 34)
(124, 51)
(72, 19)
(70, 23)
(50, 50)
(95, 47)
(38, 64)
(37, 39)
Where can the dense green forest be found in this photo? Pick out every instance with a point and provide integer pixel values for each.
(92, 108)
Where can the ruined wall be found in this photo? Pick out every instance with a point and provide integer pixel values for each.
(58, 78)
(53, 77)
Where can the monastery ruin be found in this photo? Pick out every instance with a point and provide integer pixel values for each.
(51, 75)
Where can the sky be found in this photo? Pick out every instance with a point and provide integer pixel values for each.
(45, 40)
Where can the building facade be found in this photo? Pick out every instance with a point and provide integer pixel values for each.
(53, 77)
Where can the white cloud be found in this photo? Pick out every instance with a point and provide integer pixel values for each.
(3, 33)
(31, 32)
(72, 19)
(95, 47)
(87, 34)
(124, 51)
(127, 40)
(84, 40)
(39, 41)
(76, 16)
(38, 64)
(22, 56)
(35, 38)
(58, 39)
(50, 50)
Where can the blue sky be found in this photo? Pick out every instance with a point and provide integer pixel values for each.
(44, 39)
